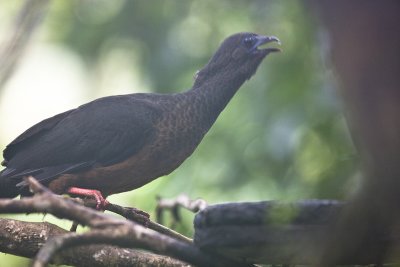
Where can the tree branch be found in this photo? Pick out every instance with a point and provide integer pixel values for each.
(118, 232)
(139, 217)
(26, 238)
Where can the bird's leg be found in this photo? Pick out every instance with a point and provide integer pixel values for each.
(101, 202)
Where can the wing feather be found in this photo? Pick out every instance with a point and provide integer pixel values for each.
(31, 135)
(105, 131)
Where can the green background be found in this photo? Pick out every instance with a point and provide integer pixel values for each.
(283, 136)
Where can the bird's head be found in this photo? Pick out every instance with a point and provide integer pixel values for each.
(238, 56)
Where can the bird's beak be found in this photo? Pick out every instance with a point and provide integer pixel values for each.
(261, 40)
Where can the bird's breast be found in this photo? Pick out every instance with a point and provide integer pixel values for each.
(170, 147)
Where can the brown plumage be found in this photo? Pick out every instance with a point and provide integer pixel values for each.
(119, 143)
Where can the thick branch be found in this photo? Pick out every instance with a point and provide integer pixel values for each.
(26, 238)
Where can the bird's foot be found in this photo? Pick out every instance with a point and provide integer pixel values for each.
(129, 213)
(101, 202)
(139, 216)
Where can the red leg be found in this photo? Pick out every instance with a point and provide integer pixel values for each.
(100, 200)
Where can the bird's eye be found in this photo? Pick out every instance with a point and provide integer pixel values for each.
(249, 41)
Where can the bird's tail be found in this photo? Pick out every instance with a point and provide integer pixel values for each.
(8, 186)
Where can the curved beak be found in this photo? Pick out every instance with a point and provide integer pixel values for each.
(261, 40)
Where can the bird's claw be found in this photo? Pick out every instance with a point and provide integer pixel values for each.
(101, 202)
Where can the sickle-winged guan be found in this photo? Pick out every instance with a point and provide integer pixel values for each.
(118, 143)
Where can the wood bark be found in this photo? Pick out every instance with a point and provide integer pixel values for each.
(26, 239)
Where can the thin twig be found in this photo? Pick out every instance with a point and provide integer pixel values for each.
(140, 217)
(132, 214)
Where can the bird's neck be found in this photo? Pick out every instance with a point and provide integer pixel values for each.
(211, 96)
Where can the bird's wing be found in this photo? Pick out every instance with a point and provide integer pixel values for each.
(31, 135)
(105, 131)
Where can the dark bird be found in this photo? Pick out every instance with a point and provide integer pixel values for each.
(119, 143)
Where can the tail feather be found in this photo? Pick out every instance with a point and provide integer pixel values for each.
(12, 183)
(8, 187)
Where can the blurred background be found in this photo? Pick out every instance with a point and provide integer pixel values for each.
(282, 137)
